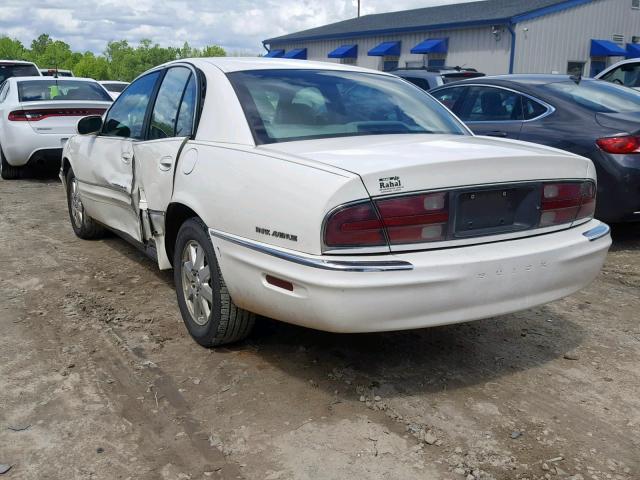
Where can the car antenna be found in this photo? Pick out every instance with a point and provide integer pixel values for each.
(576, 78)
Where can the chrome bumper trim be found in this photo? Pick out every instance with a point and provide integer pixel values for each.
(597, 232)
(335, 265)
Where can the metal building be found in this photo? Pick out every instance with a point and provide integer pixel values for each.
(494, 36)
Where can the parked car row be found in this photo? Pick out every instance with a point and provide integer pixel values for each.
(329, 196)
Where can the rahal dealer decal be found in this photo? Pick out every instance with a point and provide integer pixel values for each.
(390, 184)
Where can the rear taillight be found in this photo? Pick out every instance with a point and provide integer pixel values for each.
(40, 114)
(411, 219)
(415, 219)
(566, 202)
(623, 144)
(354, 226)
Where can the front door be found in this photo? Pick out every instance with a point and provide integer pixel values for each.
(106, 175)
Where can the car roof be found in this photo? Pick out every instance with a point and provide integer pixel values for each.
(114, 81)
(417, 72)
(522, 79)
(236, 64)
(15, 62)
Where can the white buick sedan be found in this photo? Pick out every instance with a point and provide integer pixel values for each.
(328, 196)
(39, 114)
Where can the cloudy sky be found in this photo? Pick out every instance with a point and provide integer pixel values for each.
(237, 25)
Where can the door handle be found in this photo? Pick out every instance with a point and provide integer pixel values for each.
(497, 133)
(165, 163)
(127, 156)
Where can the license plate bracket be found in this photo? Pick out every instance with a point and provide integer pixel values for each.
(492, 211)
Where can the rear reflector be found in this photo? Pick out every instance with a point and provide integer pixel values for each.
(567, 202)
(620, 145)
(34, 115)
(280, 283)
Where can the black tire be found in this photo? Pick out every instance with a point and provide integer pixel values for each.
(84, 227)
(225, 322)
(8, 172)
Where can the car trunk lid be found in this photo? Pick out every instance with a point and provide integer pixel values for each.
(623, 122)
(390, 164)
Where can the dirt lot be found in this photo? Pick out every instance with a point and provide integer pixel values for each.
(101, 381)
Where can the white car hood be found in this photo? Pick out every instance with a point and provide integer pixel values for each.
(394, 163)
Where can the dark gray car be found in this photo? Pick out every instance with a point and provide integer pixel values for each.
(596, 119)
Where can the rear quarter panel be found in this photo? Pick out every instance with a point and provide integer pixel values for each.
(241, 192)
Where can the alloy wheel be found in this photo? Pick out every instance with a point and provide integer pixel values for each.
(196, 282)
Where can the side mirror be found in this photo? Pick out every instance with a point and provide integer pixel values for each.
(89, 125)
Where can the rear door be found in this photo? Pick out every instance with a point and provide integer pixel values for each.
(171, 125)
(106, 171)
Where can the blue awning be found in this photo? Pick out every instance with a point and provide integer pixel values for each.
(297, 53)
(633, 50)
(431, 45)
(606, 48)
(345, 51)
(275, 54)
(385, 48)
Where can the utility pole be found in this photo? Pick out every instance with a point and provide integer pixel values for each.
(358, 8)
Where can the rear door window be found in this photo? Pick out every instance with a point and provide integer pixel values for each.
(168, 102)
(532, 109)
(489, 104)
(126, 116)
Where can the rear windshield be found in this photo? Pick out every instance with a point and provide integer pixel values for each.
(286, 105)
(115, 87)
(17, 70)
(597, 96)
(47, 90)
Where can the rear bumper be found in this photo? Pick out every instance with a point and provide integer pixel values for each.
(419, 289)
(618, 187)
(22, 145)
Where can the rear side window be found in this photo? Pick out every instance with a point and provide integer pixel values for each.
(419, 82)
(8, 70)
(115, 87)
(126, 116)
(168, 103)
(48, 90)
(532, 109)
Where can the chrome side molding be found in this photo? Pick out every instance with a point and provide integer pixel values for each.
(597, 232)
(335, 265)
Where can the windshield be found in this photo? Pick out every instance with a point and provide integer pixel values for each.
(286, 105)
(46, 90)
(17, 70)
(598, 96)
(115, 87)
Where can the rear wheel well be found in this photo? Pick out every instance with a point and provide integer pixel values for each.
(176, 215)
(66, 166)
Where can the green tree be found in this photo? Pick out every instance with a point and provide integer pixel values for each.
(12, 49)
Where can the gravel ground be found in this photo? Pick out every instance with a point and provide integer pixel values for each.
(99, 379)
